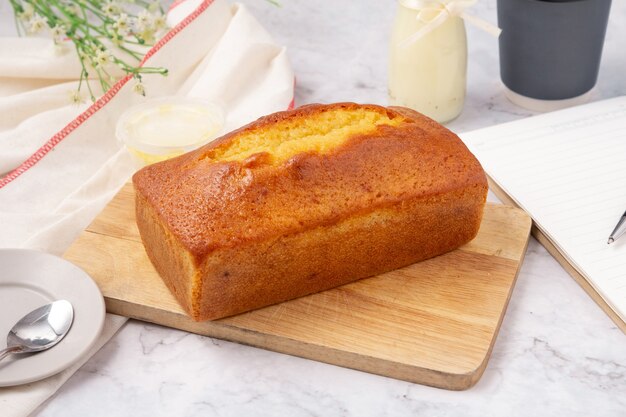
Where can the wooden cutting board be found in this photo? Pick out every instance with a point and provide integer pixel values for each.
(432, 323)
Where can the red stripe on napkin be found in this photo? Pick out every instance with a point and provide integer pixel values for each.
(101, 102)
(292, 103)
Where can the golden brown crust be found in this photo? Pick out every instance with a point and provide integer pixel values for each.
(218, 211)
(248, 277)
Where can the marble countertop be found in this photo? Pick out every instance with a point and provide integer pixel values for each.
(557, 353)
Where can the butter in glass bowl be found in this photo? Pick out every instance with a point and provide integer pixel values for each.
(166, 127)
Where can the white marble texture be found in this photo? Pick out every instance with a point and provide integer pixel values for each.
(557, 353)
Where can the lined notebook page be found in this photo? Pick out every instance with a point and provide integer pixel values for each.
(567, 169)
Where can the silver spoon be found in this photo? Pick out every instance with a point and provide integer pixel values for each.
(40, 329)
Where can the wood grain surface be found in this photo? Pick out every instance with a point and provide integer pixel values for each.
(433, 323)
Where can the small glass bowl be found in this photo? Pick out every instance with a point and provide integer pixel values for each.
(163, 128)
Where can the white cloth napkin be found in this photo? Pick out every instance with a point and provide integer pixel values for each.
(215, 50)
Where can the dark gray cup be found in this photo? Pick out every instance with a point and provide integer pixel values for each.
(551, 50)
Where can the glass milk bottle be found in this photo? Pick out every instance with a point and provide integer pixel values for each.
(428, 74)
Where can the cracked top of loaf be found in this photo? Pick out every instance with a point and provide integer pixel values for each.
(297, 170)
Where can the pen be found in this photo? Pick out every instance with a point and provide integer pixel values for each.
(619, 229)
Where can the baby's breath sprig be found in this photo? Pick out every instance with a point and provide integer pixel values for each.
(109, 36)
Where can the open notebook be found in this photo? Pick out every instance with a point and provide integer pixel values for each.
(567, 169)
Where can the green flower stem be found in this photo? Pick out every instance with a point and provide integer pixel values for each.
(138, 56)
(96, 11)
(18, 25)
(84, 75)
(91, 29)
(101, 77)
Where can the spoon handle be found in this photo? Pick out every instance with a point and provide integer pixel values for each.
(6, 352)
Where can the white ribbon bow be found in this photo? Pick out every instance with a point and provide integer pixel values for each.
(434, 12)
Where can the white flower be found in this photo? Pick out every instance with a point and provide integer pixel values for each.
(75, 97)
(122, 25)
(36, 23)
(144, 21)
(111, 8)
(28, 11)
(139, 89)
(154, 6)
(147, 35)
(159, 22)
(72, 8)
(58, 33)
(82, 55)
(102, 58)
(117, 40)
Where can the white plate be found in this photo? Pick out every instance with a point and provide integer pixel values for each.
(29, 279)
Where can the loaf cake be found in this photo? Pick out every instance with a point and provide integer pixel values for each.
(305, 200)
